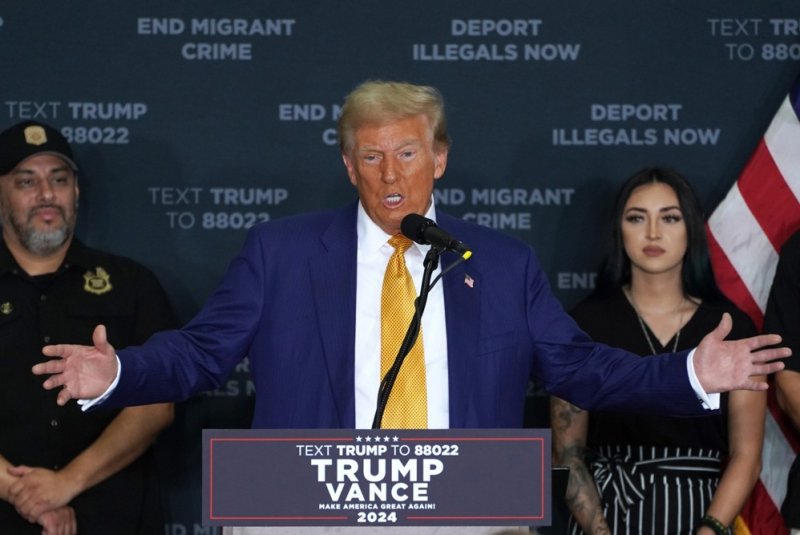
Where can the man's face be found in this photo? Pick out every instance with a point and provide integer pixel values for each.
(38, 204)
(393, 166)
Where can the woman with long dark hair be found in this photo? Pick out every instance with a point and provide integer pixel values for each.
(633, 474)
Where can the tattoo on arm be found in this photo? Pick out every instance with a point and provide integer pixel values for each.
(571, 451)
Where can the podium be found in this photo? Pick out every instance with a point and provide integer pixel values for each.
(312, 477)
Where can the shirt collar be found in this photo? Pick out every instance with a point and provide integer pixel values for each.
(77, 255)
(371, 237)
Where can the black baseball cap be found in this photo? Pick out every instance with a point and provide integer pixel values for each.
(29, 138)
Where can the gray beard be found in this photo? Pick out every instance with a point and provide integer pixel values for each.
(44, 243)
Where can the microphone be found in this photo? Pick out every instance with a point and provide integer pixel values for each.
(424, 231)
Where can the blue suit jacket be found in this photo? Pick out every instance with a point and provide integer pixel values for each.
(288, 301)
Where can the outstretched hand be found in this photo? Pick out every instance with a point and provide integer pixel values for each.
(723, 365)
(83, 372)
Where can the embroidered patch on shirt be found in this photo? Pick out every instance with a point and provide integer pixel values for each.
(98, 282)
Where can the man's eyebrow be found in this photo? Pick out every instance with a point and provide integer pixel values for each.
(26, 170)
(402, 145)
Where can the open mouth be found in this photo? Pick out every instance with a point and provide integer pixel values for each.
(393, 200)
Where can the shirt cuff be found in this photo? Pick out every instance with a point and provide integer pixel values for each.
(708, 401)
(87, 404)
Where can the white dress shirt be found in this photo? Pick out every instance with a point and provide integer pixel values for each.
(373, 257)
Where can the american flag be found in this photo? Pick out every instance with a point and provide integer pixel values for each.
(746, 232)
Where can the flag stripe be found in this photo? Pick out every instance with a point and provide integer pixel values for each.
(731, 285)
(745, 244)
(768, 195)
(780, 457)
(783, 422)
(760, 516)
(781, 139)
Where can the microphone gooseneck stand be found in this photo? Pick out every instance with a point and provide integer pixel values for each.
(387, 383)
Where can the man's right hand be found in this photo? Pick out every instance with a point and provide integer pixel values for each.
(83, 372)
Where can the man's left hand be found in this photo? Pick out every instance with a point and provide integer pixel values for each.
(723, 365)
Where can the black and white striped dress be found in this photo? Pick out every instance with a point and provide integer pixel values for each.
(655, 474)
(654, 490)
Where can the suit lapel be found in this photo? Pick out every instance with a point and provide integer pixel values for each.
(333, 278)
(462, 297)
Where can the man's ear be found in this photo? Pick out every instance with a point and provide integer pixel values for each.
(440, 163)
(348, 163)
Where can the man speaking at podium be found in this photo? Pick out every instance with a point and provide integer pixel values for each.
(320, 302)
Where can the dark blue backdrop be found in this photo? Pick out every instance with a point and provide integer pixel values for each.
(193, 120)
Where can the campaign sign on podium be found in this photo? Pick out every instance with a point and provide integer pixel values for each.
(313, 477)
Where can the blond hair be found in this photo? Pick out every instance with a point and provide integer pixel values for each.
(379, 102)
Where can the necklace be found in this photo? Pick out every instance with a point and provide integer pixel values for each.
(644, 327)
(647, 336)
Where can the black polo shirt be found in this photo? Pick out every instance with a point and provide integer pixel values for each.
(90, 287)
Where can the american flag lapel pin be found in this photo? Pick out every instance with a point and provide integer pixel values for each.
(469, 281)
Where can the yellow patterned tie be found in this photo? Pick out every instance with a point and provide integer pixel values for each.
(408, 403)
